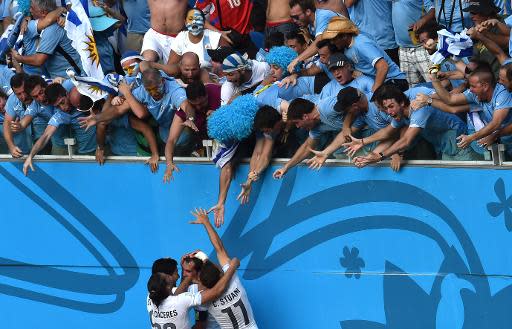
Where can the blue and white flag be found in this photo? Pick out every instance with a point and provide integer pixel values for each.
(11, 37)
(93, 88)
(79, 31)
(450, 44)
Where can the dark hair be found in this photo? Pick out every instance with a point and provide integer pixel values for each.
(198, 264)
(54, 91)
(3, 94)
(195, 89)
(164, 265)
(346, 98)
(298, 107)
(326, 43)
(157, 288)
(303, 4)
(18, 80)
(484, 74)
(275, 39)
(34, 80)
(295, 35)
(209, 275)
(508, 70)
(431, 28)
(86, 103)
(389, 91)
(266, 117)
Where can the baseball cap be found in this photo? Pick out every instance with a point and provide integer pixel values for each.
(234, 62)
(218, 55)
(337, 60)
(99, 19)
(346, 98)
(485, 7)
(337, 25)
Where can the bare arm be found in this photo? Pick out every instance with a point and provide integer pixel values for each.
(201, 217)
(9, 140)
(50, 18)
(445, 96)
(302, 153)
(403, 143)
(381, 68)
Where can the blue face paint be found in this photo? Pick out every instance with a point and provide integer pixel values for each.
(195, 22)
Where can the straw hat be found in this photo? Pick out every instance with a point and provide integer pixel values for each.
(339, 25)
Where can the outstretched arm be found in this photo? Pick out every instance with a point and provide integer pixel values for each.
(213, 293)
(201, 217)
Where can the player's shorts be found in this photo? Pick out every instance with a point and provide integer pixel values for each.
(159, 43)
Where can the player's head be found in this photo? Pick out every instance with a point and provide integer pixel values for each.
(3, 100)
(167, 266)
(300, 113)
(190, 67)
(18, 87)
(130, 62)
(234, 67)
(391, 100)
(191, 267)
(57, 96)
(266, 119)
(35, 86)
(159, 287)
(195, 21)
(210, 274)
(153, 83)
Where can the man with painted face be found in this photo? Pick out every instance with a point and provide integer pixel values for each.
(243, 76)
(196, 39)
(66, 104)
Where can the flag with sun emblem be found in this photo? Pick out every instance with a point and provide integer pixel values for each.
(79, 31)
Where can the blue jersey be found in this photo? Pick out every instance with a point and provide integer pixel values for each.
(16, 110)
(330, 120)
(364, 53)
(405, 13)
(86, 139)
(500, 101)
(374, 18)
(362, 83)
(322, 18)
(373, 117)
(162, 110)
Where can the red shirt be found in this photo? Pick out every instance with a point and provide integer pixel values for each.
(235, 14)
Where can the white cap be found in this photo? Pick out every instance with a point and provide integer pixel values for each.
(201, 255)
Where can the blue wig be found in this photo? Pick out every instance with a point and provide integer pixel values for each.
(24, 6)
(281, 56)
(233, 122)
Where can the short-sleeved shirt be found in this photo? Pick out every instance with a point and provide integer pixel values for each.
(121, 137)
(324, 69)
(52, 39)
(259, 71)
(213, 92)
(40, 114)
(374, 18)
(333, 87)
(374, 118)
(5, 79)
(105, 50)
(432, 121)
(162, 110)
(86, 139)
(16, 110)
(501, 100)
(457, 20)
(30, 40)
(405, 13)
(138, 15)
(330, 120)
(364, 53)
(210, 40)
(173, 311)
(322, 18)
(232, 309)
(234, 14)
(508, 21)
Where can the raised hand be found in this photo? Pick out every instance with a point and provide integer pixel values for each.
(318, 160)
(218, 213)
(171, 167)
(153, 163)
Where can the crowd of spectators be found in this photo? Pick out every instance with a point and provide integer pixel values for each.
(299, 79)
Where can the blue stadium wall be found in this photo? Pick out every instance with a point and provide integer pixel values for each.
(340, 248)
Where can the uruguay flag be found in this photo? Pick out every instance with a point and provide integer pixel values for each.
(79, 31)
(11, 37)
(94, 88)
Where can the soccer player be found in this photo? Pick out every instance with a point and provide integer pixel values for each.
(232, 309)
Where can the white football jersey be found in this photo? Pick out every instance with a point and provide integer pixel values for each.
(172, 313)
(232, 309)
